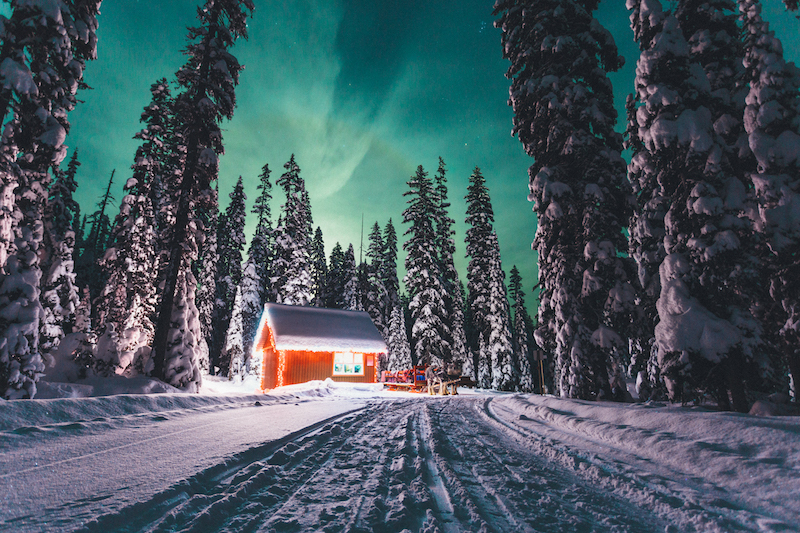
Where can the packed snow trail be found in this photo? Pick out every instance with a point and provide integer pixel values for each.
(411, 464)
(326, 457)
(58, 476)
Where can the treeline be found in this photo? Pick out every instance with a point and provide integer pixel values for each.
(702, 299)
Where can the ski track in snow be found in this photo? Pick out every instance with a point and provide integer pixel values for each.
(498, 463)
(409, 464)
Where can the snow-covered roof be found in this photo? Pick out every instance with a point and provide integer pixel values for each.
(322, 330)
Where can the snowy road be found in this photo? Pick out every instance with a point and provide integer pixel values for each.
(469, 463)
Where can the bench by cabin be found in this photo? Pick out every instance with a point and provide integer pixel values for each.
(300, 344)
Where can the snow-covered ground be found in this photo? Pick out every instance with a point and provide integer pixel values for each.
(334, 457)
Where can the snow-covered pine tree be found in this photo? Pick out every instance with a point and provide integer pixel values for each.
(519, 338)
(129, 299)
(252, 306)
(470, 335)
(334, 285)
(711, 31)
(705, 332)
(772, 121)
(94, 246)
(319, 269)
(293, 240)
(376, 297)
(230, 245)
(59, 296)
(564, 116)
(423, 279)
(487, 292)
(42, 58)
(445, 248)
(261, 247)
(399, 357)
(499, 350)
(208, 80)
(350, 299)
(389, 270)
(206, 269)
(233, 351)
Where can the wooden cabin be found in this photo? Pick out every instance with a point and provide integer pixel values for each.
(300, 344)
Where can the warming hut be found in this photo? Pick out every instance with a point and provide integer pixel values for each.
(300, 344)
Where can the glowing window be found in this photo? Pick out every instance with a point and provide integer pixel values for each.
(348, 364)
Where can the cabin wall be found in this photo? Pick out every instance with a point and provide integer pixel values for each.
(304, 366)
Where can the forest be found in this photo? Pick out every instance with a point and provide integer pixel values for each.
(667, 255)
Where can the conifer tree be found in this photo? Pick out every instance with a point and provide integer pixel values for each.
(376, 297)
(705, 267)
(42, 58)
(293, 241)
(261, 247)
(233, 351)
(208, 80)
(389, 269)
(59, 292)
(350, 297)
(129, 299)
(319, 269)
(564, 117)
(519, 338)
(206, 272)
(334, 286)
(487, 293)
(94, 246)
(59, 296)
(423, 280)
(399, 357)
(230, 243)
(772, 121)
(445, 247)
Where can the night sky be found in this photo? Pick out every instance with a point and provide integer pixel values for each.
(361, 91)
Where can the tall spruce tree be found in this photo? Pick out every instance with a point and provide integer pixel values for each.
(261, 247)
(705, 334)
(376, 296)
(389, 272)
(445, 247)
(293, 241)
(206, 273)
(59, 296)
(520, 334)
(126, 305)
(487, 300)
(772, 121)
(334, 286)
(233, 349)
(230, 243)
(42, 59)
(90, 274)
(319, 268)
(399, 357)
(423, 280)
(564, 117)
(208, 80)
(350, 293)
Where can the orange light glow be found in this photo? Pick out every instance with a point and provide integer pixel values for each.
(281, 366)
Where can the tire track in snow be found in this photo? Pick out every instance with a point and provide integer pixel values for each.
(691, 504)
(508, 487)
(424, 465)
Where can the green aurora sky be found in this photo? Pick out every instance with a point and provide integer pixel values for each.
(361, 91)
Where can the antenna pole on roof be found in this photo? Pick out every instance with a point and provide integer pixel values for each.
(361, 246)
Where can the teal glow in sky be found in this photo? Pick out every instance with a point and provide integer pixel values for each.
(360, 91)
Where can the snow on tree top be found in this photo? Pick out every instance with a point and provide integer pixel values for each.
(322, 330)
